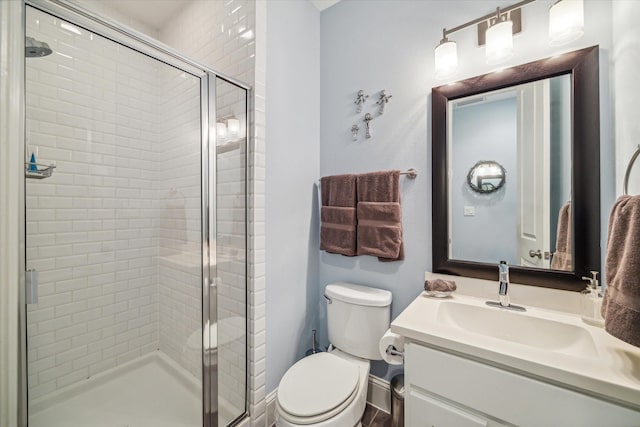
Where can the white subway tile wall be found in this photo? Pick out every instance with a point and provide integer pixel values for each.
(179, 190)
(231, 247)
(257, 227)
(221, 35)
(100, 230)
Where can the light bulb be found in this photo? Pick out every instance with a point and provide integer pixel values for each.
(499, 39)
(221, 130)
(446, 59)
(233, 126)
(566, 22)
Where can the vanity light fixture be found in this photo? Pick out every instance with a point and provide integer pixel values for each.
(221, 130)
(233, 126)
(227, 128)
(499, 40)
(446, 57)
(566, 21)
(566, 24)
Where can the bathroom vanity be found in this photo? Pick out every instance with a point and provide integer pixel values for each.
(468, 364)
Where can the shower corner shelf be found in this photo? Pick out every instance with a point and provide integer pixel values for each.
(41, 171)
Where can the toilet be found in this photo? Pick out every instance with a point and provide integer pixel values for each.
(330, 389)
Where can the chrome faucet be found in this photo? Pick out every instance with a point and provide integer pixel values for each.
(503, 268)
(503, 290)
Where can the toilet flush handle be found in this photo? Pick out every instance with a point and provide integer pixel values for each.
(329, 301)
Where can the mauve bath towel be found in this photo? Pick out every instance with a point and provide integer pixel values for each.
(621, 304)
(338, 214)
(564, 246)
(379, 215)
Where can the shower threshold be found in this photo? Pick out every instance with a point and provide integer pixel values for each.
(150, 391)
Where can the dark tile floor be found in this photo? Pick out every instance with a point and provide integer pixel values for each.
(374, 417)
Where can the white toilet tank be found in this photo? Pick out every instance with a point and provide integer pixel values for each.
(357, 317)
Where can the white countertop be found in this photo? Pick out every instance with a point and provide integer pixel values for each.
(612, 372)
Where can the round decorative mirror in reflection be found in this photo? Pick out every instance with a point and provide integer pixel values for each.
(486, 176)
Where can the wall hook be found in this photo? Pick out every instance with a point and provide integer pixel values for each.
(382, 101)
(367, 122)
(354, 132)
(360, 100)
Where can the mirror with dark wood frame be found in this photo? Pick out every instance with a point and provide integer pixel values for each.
(486, 176)
(582, 67)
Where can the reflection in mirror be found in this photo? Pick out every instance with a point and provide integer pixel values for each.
(540, 121)
(525, 129)
(486, 176)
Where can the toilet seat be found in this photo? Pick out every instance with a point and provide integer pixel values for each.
(317, 388)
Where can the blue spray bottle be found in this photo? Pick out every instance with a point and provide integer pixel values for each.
(32, 162)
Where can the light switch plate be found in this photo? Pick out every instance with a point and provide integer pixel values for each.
(469, 211)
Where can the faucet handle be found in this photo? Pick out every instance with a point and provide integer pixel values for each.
(593, 281)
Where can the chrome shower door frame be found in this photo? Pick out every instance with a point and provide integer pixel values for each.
(82, 17)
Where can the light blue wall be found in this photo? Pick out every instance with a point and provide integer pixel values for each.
(560, 93)
(485, 131)
(626, 63)
(292, 168)
(371, 45)
(375, 45)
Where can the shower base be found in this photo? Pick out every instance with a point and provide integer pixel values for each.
(151, 391)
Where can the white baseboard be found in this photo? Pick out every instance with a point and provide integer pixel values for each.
(378, 395)
(271, 408)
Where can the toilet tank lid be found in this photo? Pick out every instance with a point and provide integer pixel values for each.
(357, 294)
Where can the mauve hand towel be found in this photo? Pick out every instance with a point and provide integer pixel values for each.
(339, 190)
(564, 247)
(338, 214)
(621, 304)
(379, 215)
(382, 186)
(379, 229)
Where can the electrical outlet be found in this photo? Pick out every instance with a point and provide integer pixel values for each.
(469, 211)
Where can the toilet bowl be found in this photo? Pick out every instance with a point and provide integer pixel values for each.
(231, 330)
(330, 389)
(323, 390)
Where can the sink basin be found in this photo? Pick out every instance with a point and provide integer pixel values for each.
(521, 328)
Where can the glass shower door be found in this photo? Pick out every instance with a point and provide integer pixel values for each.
(231, 249)
(114, 234)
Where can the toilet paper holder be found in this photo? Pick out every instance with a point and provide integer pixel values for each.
(392, 351)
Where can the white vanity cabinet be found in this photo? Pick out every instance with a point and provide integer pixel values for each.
(447, 390)
(422, 409)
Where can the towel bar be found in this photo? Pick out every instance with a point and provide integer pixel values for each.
(628, 172)
(410, 173)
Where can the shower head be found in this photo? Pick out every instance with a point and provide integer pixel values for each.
(36, 49)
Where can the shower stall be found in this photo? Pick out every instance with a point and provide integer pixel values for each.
(136, 229)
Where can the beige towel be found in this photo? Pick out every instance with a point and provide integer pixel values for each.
(379, 215)
(338, 214)
(621, 304)
(562, 259)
